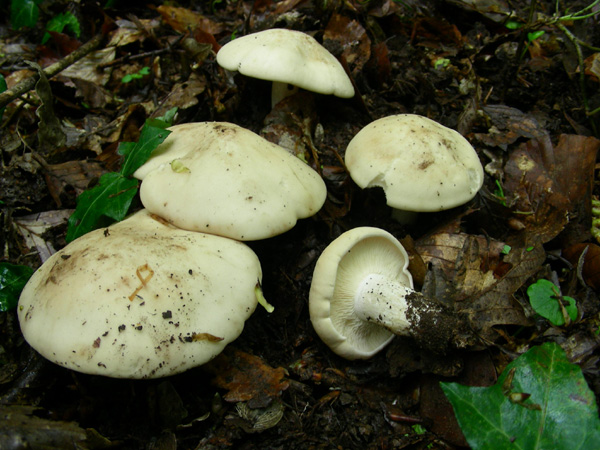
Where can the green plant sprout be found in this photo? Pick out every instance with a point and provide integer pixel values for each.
(532, 29)
(136, 76)
(499, 193)
(546, 300)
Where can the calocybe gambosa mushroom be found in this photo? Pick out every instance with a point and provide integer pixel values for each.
(219, 178)
(286, 57)
(362, 295)
(421, 165)
(140, 299)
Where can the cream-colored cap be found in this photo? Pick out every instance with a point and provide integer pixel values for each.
(287, 56)
(219, 178)
(420, 164)
(139, 299)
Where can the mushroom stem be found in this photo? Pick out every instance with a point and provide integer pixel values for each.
(406, 312)
(279, 91)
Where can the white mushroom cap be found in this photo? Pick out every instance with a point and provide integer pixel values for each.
(343, 271)
(219, 178)
(420, 164)
(287, 56)
(140, 299)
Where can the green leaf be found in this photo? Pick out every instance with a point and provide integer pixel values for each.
(127, 78)
(154, 132)
(136, 76)
(169, 116)
(535, 35)
(24, 13)
(12, 280)
(111, 198)
(541, 401)
(512, 25)
(113, 195)
(60, 22)
(544, 297)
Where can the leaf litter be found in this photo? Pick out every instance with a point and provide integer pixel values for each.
(531, 221)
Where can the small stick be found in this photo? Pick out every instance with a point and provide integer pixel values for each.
(27, 84)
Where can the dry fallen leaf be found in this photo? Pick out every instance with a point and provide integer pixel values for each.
(475, 276)
(184, 20)
(351, 39)
(586, 258)
(532, 192)
(247, 378)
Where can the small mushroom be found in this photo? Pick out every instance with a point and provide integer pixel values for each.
(286, 57)
(362, 295)
(219, 178)
(140, 299)
(421, 165)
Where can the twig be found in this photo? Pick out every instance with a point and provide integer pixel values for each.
(27, 84)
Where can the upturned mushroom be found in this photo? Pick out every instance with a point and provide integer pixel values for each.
(421, 165)
(290, 59)
(362, 296)
(140, 299)
(219, 178)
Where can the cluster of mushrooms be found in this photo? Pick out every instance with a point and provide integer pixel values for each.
(169, 287)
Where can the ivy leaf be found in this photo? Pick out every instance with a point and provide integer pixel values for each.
(137, 153)
(544, 297)
(12, 280)
(540, 401)
(24, 13)
(60, 22)
(111, 198)
(113, 195)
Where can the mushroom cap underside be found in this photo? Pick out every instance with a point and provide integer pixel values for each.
(339, 271)
(139, 299)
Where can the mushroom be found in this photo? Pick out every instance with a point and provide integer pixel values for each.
(219, 178)
(362, 295)
(286, 57)
(421, 165)
(140, 299)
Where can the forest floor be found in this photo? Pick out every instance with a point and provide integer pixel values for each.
(518, 95)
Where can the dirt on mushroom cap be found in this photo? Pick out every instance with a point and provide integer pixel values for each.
(140, 299)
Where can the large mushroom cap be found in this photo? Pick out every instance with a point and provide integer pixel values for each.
(220, 178)
(420, 164)
(140, 299)
(287, 56)
(339, 272)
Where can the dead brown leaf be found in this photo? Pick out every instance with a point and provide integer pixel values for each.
(532, 192)
(586, 258)
(247, 378)
(71, 175)
(184, 20)
(507, 125)
(351, 39)
(472, 274)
